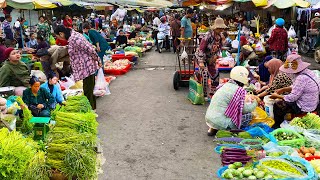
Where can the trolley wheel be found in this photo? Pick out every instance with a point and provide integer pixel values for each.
(176, 80)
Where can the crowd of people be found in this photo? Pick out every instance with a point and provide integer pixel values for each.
(80, 44)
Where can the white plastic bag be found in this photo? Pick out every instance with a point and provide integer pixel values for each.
(68, 83)
(39, 74)
(292, 33)
(101, 87)
(184, 54)
(270, 30)
(235, 44)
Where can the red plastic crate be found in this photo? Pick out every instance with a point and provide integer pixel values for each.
(121, 56)
(118, 72)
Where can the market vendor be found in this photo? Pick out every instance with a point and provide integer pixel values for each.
(304, 93)
(207, 54)
(101, 44)
(277, 80)
(263, 71)
(38, 99)
(14, 72)
(84, 60)
(53, 88)
(225, 40)
(230, 102)
(121, 39)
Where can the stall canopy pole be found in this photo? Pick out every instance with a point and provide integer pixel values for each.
(239, 47)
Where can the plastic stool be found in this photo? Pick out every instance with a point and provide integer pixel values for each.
(38, 65)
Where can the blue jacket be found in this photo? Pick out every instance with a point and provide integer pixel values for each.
(56, 93)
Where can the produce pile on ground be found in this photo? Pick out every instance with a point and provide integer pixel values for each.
(117, 65)
(287, 137)
(237, 171)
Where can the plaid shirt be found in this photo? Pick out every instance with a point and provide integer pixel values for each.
(278, 40)
(84, 59)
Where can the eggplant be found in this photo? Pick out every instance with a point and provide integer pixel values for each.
(234, 150)
(234, 153)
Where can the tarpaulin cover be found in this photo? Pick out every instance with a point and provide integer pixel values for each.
(20, 4)
(43, 4)
(283, 4)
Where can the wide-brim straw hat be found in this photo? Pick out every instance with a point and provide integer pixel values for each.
(294, 64)
(219, 24)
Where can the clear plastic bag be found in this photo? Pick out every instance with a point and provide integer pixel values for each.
(101, 87)
(279, 171)
(292, 33)
(184, 54)
(312, 136)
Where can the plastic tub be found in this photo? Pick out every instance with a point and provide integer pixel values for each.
(220, 171)
(269, 106)
(122, 56)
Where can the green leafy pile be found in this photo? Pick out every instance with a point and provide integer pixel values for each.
(16, 152)
(79, 104)
(38, 169)
(27, 115)
(309, 121)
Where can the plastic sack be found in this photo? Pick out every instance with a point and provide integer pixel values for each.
(77, 85)
(52, 41)
(39, 74)
(67, 83)
(195, 95)
(292, 33)
(101, 87)
(259, 113)
(184, 54)
(312, 136)
(312, 175)
(298, 142)
(235, 44)
(282, 172)
(259, 132)
(263, 126)
(272, 147)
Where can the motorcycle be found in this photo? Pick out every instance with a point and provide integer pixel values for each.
(161, 36)
(308, 43)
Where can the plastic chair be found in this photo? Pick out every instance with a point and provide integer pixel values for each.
(38, 65)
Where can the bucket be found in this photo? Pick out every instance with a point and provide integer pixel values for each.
(269, 106)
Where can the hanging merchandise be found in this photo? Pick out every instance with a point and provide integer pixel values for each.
(260, 3)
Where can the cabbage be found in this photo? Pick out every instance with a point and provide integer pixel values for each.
(238, 164)
(232, 166)
(227, 175)
(241, 169)
(252, 177)
(247, 173)
(260, 174)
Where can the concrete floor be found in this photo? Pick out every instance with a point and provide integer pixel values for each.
(150, 131)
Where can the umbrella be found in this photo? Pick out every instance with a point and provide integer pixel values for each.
(283, 4)
(43, 4)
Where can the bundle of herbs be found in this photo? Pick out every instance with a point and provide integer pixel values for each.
(27, 115)
(37, 168)
(79, 104)
(17, 152)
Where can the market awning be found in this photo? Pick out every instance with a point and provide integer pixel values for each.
(3, 4)
(148, 3)
(197, 2)
(283, 4)
(20, 4)
(63, 2)
(43, 4)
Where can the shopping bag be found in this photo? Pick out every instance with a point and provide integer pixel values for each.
(292, 33)
(195, 92)
(259, 3)
(52, 40)
(101, 87)
(184, 54)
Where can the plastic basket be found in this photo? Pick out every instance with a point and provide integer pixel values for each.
(220, 171)
(268, 121)
(296, 143)
(218, 148)
(118, 72)
(121, 56)
(258, 145)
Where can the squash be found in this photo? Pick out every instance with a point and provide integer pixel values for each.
(3, 101)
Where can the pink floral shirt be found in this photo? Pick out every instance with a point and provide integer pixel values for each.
(84, 59)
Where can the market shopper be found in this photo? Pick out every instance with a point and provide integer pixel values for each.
(43, 28)
(186, 27)
(263, 71)
(230, 102)
(101, 44)
(304, 93)
(38, 100)
(225, 40)
(122, 39)
(32, 43)
(53, 87)
(278, 41)
(9, 40)
(175, 25)
(67, 22)
(84, 60)
(278, 80)
(207, 54)
(14, 72)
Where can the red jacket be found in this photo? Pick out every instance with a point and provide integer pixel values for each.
(67, 23)
(278, 40)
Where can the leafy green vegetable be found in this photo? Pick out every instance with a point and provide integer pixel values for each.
(27, 115)
(38, 169)
(16, 153)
